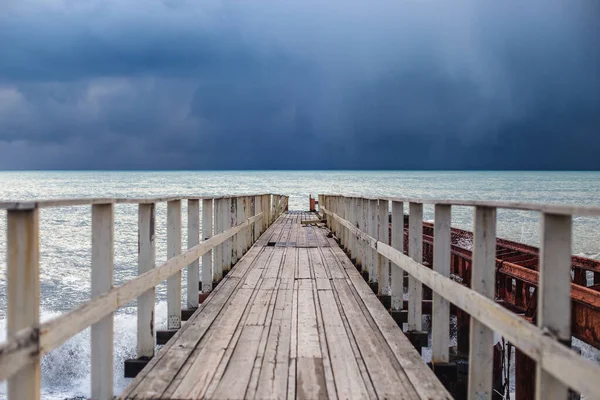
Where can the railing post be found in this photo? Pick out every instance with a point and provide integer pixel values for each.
(257, 224)
(237, 239)
(415, 251)
(554, 295)
(219, 249)
(358, 223)
(193, 273)
(364, 246)
(440, 332)
(102, 282)
(383, 264)
(174, 249)
(207, 225)
(23, 294)
(229, 244)
(398, 244)
(373, 278)
(270, 198)
(351, 235)
(481, 354)
(146, 262)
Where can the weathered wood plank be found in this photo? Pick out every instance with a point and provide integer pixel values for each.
(415, 251)
(440, 331)
(146, 262)
(420, 376)
(23, 297)
(398, 244)
(348, 379)
(207, 258)
(554, 295)
(193, 238)
(481, 354)
(173, 250)
(102, 282)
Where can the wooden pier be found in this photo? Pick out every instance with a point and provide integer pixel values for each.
(296, 304)
(293, 319)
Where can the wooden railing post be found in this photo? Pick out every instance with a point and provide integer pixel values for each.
(481, 354)
(415, 251)
(398, 244)
(174, 249)
(146, 262)
(207, 262)
(218, 252)
(383, 264)
(554, 295)
(365, 228)
(373, 278)
(102, 282)
(358, 223)
(230, 207)
(440, 330)
(270, 198)
(237, 239)
(23, 294)
(257, 224)
(351, 235)
(193, 273)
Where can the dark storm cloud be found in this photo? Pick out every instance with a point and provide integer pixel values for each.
(272, 84)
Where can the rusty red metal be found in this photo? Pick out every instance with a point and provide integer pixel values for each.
(517, 278)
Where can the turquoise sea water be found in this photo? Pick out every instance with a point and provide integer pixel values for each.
(66, 235)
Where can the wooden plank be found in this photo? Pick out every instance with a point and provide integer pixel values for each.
(554, 295)
(193, 238)
(102, 281)
(481, 354)
(173, 250)
(146, 262)
(218, 250)
(207, 261)
(279, 285)
(316, 263)
(327, 368)
(303, 270)
(23, 298)
(383, 264)
(166, 370)
(273, 379)
(387, 378)
(291, 386)
(415, 251)
(420, 376)
(398, 244)
(198, 377)
(348, 379)
(372, 255)
(440, 331)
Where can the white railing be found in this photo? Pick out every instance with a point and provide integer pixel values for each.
(238, 222)
(355, 222)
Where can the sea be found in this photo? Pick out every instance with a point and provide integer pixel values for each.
(65, 232)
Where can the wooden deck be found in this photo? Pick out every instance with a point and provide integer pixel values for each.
(292, 319)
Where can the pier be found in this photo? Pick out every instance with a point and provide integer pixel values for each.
(312, 305)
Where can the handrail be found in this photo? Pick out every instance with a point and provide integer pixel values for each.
(557, 209)
(559, 366)
(236, 228)
(85, 201)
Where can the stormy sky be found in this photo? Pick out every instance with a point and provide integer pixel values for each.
(299, 84)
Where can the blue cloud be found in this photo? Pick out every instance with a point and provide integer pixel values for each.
(271, 84)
